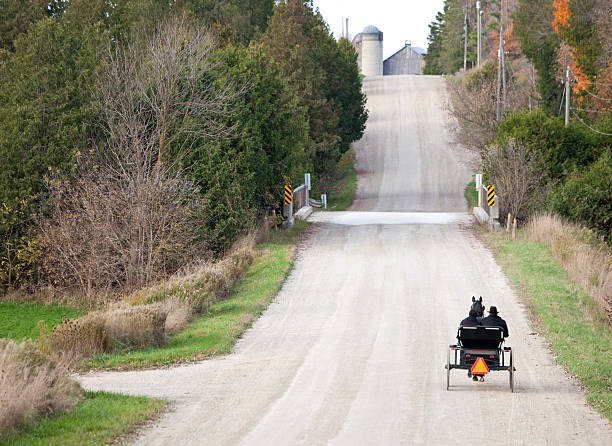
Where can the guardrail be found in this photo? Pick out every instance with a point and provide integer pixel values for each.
(484, 212)
(300, 197)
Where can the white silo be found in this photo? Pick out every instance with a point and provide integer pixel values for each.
(372, 51)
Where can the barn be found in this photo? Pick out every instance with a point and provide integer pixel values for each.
(408, 60)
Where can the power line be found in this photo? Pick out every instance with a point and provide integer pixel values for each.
(595, 96)
(588, 126)
(588, 110)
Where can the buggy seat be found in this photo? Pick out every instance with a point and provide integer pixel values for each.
(480, 337)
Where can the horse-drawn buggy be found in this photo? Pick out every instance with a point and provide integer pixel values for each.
(480, 350)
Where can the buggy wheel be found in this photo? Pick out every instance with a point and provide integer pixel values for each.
(448, 369)
(511, 369)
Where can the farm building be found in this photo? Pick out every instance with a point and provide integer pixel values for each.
(369, 47)
(408, 60)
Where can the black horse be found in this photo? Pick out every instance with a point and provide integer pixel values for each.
(478, 307)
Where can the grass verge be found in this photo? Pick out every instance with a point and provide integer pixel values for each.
(216, 330)
(346, 186)
(471, 195)
(574, 324)
(18, 320)
(102, 418)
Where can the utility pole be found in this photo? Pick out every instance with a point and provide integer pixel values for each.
(499, 74)
(347, 30)
(567, 95)
(503, 61)
(502, 49)
(479, 13)
(465, 37)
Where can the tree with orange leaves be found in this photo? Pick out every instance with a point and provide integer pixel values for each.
(561, 24)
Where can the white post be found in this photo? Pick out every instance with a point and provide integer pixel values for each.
(307, 183)
(324, 200)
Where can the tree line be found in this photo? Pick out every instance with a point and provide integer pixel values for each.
(139, 135)
(536, 161)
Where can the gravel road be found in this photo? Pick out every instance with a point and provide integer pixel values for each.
(352, 351)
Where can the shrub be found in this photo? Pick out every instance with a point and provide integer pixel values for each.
(19, 251)
(558, 147)
(517, 175)
(586, 197)
(30, 385)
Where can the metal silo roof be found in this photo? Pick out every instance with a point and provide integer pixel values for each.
(370, 29)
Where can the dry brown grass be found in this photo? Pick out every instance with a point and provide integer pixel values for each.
(149, 316)
(31, 384)
(202, 283)
(119, 327)
(587, 260)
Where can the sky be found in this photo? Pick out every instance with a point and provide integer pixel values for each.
(399, 20)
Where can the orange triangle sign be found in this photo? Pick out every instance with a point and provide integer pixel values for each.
(480, 367)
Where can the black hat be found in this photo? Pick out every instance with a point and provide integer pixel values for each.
(493, 309)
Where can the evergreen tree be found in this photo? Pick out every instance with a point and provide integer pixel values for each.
(243, 175)
(432, 58)
(323, 73)
(46, 117)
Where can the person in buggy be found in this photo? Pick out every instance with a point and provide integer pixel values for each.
(471, 320)
(493, 320)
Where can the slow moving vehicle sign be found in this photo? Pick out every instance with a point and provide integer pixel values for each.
(480, 367)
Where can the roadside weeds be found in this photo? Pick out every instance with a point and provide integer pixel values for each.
(216, 330)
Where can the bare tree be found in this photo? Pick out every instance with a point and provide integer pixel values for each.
(130, 215)
(473, 98)
(162, 89)
(473, 107)
(517, 174)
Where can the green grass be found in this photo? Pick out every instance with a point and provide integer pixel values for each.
(216, 331)
(573, 323)
(346, 186)
(471, 195)
(18, 320)
(98, 420)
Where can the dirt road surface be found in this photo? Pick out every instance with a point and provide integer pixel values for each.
(352, 351)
